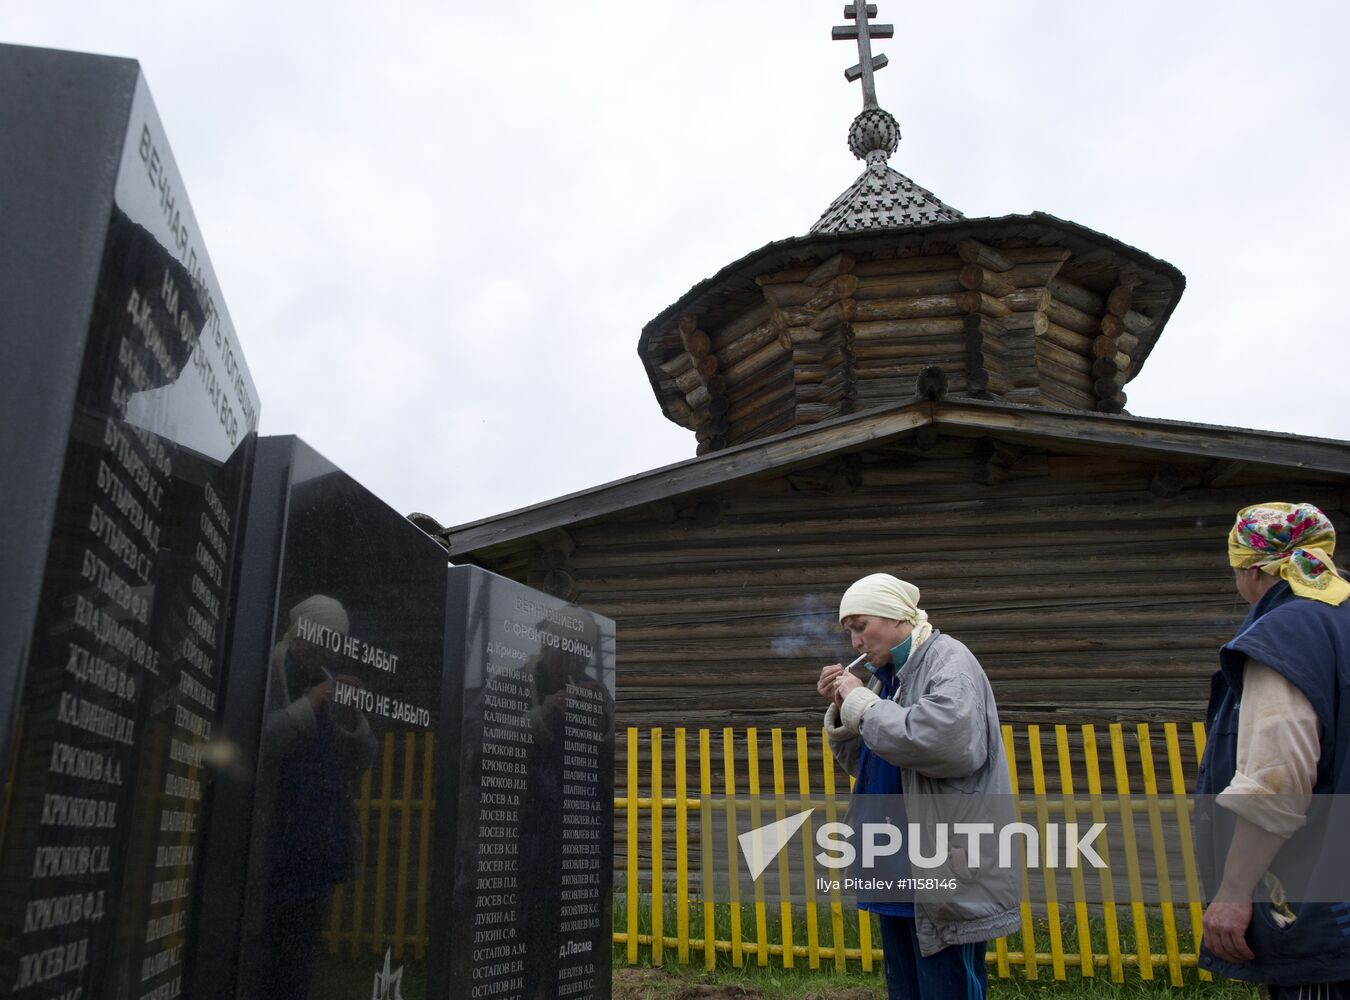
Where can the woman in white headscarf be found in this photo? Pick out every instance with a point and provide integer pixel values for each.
(924, 727)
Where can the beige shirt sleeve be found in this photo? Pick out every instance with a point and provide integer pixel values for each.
(1278, 747)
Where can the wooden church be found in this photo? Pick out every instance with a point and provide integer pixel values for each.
(907, 390)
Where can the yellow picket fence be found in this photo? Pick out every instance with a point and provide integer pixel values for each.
(676, 787)
(804, 913)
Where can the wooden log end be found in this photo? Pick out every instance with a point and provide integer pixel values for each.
(1115, 404)
(697, 344)
(1119, 301)
(974, 252)
(840, 263)
(931, 383)
(1166, 483)
(560, 584)
(706, 512)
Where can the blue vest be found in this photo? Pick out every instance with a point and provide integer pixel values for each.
(880, 777)
(1308, 642)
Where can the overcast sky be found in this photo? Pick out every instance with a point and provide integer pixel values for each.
(440, 227)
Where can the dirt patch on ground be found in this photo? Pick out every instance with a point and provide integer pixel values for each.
(657, 984)
(654, 984)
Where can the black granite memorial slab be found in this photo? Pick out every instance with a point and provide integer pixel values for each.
(127, 412)
(318, 864)
(526, 800)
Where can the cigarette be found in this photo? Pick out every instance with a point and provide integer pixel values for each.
(855, 662)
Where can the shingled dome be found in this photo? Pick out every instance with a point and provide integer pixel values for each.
(891, 280)
(881, 197)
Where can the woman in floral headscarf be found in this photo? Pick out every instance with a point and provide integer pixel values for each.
(1279, 734)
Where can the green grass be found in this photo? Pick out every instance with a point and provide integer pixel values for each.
(802, 981)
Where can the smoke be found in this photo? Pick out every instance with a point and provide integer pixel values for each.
(811, 628)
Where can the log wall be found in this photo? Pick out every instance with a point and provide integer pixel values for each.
(847, 334)
(1092, 587)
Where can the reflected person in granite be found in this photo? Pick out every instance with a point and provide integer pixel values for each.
(571, 706)
(306, 837)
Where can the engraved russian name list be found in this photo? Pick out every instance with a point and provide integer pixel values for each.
(114, 695)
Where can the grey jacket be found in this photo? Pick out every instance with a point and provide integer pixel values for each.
(942, 731)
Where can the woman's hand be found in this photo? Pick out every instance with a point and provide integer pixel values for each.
(828, 676)
(1225, 929)
(845, 684)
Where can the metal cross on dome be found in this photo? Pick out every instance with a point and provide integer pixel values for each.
(863, 31)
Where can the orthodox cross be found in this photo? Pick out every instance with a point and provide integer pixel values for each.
(863, 31)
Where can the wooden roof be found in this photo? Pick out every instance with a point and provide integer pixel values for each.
(1024, 309)
(968, 417)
